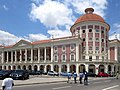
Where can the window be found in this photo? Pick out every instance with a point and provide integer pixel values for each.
(83, 57)
(83, 39)
(90, 30)
(102, 40)
(83, 31)
(97, 30)
(102, 31)
(90, 58)
(63, 57)
(97, 57)
(90, 48)
(72, 47)
(55, 58)
(72, 57)
(103, 58)
(90, 39)
(55, 48)
(97, 39)
(63, 48)
(83, 48)
(97, 48)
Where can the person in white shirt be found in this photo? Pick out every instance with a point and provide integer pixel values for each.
(7, 84)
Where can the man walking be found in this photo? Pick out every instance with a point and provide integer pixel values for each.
(85, 78)
(7, 84)
(75, 77)
(80, 77)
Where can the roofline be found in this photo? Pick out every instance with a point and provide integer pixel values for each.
(90, 20)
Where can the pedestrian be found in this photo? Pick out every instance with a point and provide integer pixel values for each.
(75, 77)
(69, 78)
(80, 77)
(117, 75)
(85, 78)
(7, 84)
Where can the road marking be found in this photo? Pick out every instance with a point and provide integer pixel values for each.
(97, 82)
(107, 81)
(110, 87)
(61, 87)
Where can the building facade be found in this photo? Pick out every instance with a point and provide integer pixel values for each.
(87, 49)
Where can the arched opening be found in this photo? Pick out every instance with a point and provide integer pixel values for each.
(109, 69)
(101, 68)
(48, 68)
(4, 67)
(56, 68)
(9, 67)
(19, 67)
(14, 67)
(35, 68)
(24, 67)
(81, 68)
(72, 68)
(91, 68)
(0, 67)
(64, 68)
(29, 67)
(42, 67)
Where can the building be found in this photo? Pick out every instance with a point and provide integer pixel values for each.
(87, 49)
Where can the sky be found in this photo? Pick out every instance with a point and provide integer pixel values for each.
(34, 20)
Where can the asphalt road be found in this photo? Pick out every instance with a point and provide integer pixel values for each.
(104, 84)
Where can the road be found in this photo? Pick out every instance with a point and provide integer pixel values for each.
(104, 84)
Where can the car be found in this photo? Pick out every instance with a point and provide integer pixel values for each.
(4, 73)
(53, 73)
(19, 74)
(90, 74)
(102, 74)
(65, 74)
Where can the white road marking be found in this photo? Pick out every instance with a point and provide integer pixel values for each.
(110, 87)
(107, 81)
(61, 87)
(97, 82)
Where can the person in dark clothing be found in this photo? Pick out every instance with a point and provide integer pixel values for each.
(80, 77)
(75, 77)
(85, 78)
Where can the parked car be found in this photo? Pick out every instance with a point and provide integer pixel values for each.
(102, 74)
(53, 73)
(19, 74)
(65, 73)
(4, 73)
(90, 74)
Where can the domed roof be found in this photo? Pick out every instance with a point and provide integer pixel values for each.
(89, 16)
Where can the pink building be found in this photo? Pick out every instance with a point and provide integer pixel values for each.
(87, 49)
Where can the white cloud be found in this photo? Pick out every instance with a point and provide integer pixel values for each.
(52, 14)
(5, 8)
(59, 33)
(80, 5)
(35, 37)
(7, 38)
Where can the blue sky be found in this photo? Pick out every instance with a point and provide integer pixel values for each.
(34, 20)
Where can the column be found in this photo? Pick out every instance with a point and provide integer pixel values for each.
(106, 68)
(45, 55)
(15, 55)
(52, 54)
(96, 69)
(77, 68)
(20, 55)
(52, 69)
(25, 55)
(86, 67)
(2, 56)
(68, 68)
(59, 68)
(7, 56)
(77, 52)
(11, 56)
(38, 54)
(31, 54)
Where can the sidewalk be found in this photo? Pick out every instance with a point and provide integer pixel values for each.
(45, 79)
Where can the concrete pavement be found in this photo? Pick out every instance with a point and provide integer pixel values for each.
(46, 79)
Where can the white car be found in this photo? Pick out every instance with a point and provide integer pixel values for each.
(53, 73)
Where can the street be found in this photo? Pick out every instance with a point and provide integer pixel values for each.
(102, 84)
